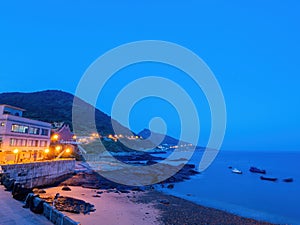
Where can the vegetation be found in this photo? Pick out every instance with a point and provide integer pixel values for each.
(55, 106)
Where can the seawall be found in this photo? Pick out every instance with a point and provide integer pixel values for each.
(38, 174)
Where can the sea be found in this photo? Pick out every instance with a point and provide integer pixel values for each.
(246, 194)
(241, 194)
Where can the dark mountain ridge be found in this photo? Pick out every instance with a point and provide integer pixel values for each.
(56, 106)
(53, 106)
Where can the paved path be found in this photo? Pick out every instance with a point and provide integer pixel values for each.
(12, 212)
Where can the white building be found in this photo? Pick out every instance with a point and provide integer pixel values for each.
(21, 139)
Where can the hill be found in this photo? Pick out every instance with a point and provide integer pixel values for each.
(56, 106)
(157, 136)
(53, 106)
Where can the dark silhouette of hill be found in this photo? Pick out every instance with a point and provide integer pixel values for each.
(157, 136)
(54, 106)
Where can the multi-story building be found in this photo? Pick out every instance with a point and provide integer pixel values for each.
(22, 139)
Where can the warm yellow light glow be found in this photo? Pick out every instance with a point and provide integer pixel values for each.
(46, 150)
(58, 147)
(74, 137)
(110, 136)
(16, 151)
(55, 137)
(68, 150)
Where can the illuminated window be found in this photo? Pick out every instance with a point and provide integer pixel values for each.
(19, 128)
(24, 142)
(2, 124)
(34, 130)
(43, 143)
(13, 142)
(33, 143)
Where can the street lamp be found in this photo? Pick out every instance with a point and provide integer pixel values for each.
(55, 137)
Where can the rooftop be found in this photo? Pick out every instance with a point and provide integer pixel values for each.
(12, 107)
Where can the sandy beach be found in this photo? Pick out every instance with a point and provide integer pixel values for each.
(111, 208)
(144, 208)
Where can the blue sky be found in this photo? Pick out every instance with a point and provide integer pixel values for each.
(251, 46)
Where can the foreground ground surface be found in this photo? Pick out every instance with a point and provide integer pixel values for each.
(12, 212)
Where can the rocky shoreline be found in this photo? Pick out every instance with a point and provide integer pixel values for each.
(173, 210)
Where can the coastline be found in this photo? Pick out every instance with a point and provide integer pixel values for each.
(143, 208)
(179, 211)
(117, 204)
(139, 205)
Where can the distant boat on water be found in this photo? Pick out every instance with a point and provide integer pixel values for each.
(235, 170)
(268, 178)
(256, 170)
(288, 180)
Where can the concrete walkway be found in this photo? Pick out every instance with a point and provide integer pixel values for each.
(12, 212)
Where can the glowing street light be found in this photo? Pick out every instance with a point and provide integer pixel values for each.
(68, 150)
(55, 137)
(16, 151)
(58, 148)
(46, 151)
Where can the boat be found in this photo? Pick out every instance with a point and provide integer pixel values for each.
(268, 178)
(235, 170)
(288, 180)
(256, 170)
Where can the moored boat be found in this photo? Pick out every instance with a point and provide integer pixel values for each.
(256, 170)
(288, 180)
(235, 170)
(268, 178)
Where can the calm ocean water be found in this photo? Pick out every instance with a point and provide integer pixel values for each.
(246, 194)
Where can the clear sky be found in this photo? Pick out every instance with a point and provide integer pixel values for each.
(251, 46)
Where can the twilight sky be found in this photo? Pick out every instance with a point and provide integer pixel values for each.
(251, 46)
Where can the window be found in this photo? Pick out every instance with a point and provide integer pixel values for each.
(19, 128)
(43, 143)
(45, 132)
(24, 143)
(29, 143)
(34, 130)
(13, 142)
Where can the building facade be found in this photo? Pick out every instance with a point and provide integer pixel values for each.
(22, 139)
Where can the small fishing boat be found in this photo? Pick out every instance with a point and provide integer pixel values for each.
(235, 170)
(268, 178)
(288, 180)
(256, 170)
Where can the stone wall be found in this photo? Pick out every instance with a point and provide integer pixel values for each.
(38, 174)
(56, 217)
